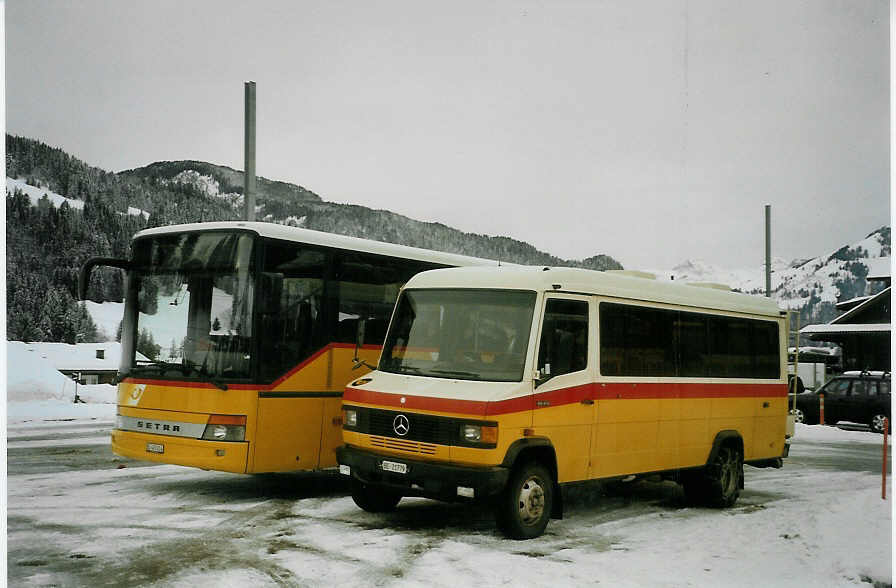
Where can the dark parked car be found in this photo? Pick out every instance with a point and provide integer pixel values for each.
(857, 397)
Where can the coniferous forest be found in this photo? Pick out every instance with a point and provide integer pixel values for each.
(46, 244)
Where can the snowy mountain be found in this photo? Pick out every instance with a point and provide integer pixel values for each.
(812, 286)
(89, 212)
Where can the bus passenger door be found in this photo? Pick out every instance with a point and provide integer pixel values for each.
(564, 405)
(288, 431)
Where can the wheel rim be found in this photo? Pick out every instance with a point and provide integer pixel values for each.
(798, 416)
(877, 423)
(728, 475)
(531, 501)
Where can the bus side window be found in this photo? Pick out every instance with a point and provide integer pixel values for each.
(291, 294)
(365, 288)
(564, 338)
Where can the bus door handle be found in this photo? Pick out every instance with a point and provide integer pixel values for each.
(587, 401)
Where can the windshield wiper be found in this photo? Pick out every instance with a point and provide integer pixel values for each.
(405, 369)
(184, 368)
(458, 373)
(203, 373)
(163, 365)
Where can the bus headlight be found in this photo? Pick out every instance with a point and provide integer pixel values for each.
(479, 434)
(350, 418)
(225, 427)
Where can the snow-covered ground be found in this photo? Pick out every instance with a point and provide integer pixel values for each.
(807, 524)
(819, 521)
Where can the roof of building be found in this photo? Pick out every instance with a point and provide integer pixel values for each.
(845, 328)
(80, 357)
(320, 238)
(879, 268)
(609, 284)
(845, 305)
(850, 315)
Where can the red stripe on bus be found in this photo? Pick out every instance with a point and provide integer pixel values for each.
(265, 387)
(469, 407)
(607, 391)
(564, 396)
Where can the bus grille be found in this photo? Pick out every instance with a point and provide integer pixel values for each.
(423, 428)
(403, 445)
(424, 431)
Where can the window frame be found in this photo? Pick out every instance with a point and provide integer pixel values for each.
(590, 339)
(330, 303)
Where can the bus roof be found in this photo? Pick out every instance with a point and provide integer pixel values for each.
(582, 281)
(320, 238)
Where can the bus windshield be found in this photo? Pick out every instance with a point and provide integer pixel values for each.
(460, 334)
(194, 297)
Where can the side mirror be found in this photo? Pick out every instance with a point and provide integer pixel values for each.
(359, 340)
(542, 375)
(87, 268)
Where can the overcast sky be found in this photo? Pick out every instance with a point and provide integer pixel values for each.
(650, 131)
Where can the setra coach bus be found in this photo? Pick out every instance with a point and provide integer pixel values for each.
(252, 330)
(501, 384)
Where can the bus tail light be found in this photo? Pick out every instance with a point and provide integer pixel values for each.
(225, 427)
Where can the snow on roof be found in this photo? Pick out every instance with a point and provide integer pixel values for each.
(578, 280)
(82, 356)
(817, 350)
(879, 268)
(852, 302)
(277, 231)
(845, 328)
(859, 307)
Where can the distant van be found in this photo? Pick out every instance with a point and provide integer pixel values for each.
(501, 384)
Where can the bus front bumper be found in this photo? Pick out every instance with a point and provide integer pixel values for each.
(197, 453)
(422, 478)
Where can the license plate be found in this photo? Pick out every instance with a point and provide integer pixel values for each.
(394, 466)
(155, 448)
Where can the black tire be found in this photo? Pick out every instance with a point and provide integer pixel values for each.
(877, 422)
(374, 499)
(524, 506)
(718, 484)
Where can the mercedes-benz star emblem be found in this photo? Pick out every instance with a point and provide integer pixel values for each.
(401, 425)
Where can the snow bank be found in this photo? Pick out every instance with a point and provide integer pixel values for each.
(827, 434)
(36, 390)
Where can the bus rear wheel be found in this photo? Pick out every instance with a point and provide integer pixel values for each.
(719, 483)
(373, 499)
(524, 507)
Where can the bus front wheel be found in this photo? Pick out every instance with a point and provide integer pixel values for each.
(524, 506)
(373, 499)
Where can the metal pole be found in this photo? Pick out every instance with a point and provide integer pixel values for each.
(768, 250)
(883, 487)
(249, 182)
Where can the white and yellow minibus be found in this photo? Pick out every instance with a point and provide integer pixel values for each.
(501, 384)
(252, 330)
